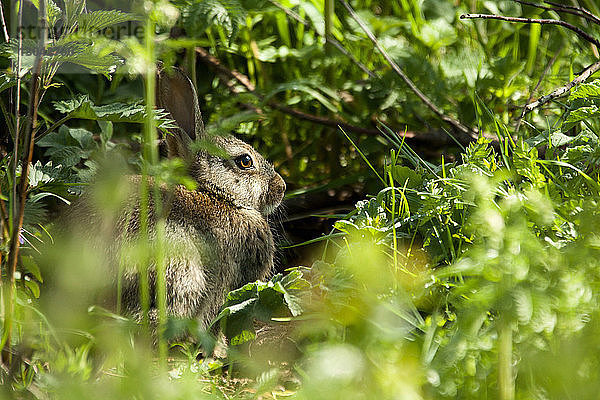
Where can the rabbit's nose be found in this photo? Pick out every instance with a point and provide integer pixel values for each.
(277, 187)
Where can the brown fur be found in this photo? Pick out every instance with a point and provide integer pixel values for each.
(217, 237)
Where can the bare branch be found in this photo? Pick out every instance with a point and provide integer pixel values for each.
(433, 139)
(456, 125)
(564, 24)
(563, 89)
(562, 8)
(582, 10)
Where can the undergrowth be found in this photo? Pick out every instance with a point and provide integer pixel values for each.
(473, 276)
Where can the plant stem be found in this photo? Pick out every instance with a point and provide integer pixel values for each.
(506, 389)
(151, 158)
(28, 141)
(3, 21)
(329, 13)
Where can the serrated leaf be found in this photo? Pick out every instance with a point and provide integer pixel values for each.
(98, 20)
(82, 52)
(581, 114)
(6, 81)
(586, 91)
(226, 14)
(82, 107)
(406, 177)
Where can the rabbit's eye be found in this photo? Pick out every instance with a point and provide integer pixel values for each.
(244, 161)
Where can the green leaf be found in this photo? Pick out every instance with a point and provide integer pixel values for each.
(98, 20)
(6, 81)
(33, 287)
(301, 86)
(581, 114)
(260, 300)
(586, 91)
(81, 52)
(82, 107)
(68, 146)
(30, 266)
(41, 174)
(406, 177)
(203, 14)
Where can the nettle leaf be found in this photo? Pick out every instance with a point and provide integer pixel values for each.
(581, 114)
(226, 14)
(29, 47)
(41, 174)
(98, 20)
(83, 53)
(261, 301)
(406, 177)
(71, 49)
(525, 163)
(586, 91)
(6, 81)
(82, 107)
(68, 146)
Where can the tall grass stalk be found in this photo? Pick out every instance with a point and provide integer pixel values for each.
(506, 389)
(24, 146)
(151, 159)
(395, 242)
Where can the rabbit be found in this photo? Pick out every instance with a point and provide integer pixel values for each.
(217, 236)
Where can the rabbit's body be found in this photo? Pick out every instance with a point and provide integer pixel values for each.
(212, 247)
(217, 237)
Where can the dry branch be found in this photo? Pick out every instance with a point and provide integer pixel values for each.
(564, 24)
(434, 139)
(577, 11)
(465, 132)
(563, 89)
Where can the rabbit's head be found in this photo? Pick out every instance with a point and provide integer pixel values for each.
(224, 164)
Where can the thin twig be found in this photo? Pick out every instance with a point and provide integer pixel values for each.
(456, 125)
(435, 139)
(563, 89)
(562, 8)
(4, 30)
(564, 24)
(574, 8)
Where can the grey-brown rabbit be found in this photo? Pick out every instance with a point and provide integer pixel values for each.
(217, 236)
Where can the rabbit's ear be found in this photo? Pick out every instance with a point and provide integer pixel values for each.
(175, 94)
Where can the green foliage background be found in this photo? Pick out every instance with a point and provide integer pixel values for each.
(463, 272)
